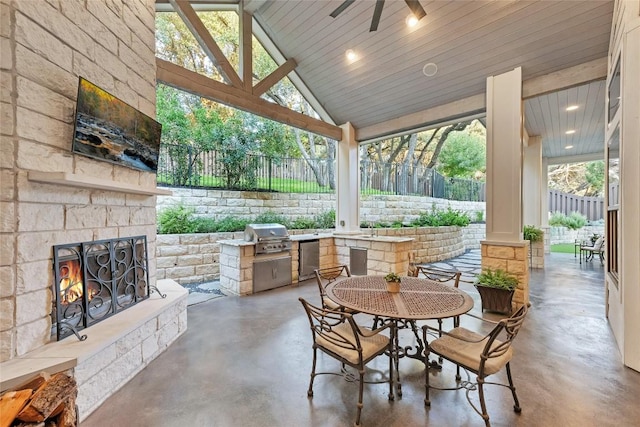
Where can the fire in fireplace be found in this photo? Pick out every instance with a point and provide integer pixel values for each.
(95, 280)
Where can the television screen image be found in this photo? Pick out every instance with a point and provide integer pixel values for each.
(109, 129)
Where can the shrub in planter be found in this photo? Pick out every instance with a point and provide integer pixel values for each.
(496, 290)
(532, 234)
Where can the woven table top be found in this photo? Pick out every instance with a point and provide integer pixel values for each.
(418, 298)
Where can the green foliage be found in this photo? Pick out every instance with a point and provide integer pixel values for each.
(574, 221)
(479, 216)
(302, 223)
(326, 219)
(497, 279)
(270, 217)
(594, 175)
(392, 277)
(439, 218)
(229, 224)
(176, 220)
(532, 234)
(557, 219)
(397, 224)
(205, 225)
(463, 155)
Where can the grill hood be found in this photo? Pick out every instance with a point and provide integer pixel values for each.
(265, 232)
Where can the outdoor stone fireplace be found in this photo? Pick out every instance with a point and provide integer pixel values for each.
(52, 197)
(95, 280)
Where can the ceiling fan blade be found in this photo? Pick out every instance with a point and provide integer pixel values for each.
(376, 15)
(341, 8)
(416, 8)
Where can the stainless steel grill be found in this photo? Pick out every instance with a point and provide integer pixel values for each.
(269, 238)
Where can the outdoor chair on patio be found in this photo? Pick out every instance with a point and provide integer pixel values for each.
(590, 251)
(482, 355)
(451, 277)
(337, 334)
(326, 276)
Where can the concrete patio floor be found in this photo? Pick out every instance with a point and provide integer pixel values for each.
(245, 361)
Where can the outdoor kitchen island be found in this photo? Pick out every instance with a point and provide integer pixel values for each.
(383, 254)
(238, 259)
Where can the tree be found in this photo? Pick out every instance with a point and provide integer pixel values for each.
(584, 179)
(463, 156)
(594, 177)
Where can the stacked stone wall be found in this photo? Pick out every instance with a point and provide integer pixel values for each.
(565, 235)
(246, 204)
(194, 258)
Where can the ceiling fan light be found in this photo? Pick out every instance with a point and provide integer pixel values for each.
(412, 20)
(351, 55)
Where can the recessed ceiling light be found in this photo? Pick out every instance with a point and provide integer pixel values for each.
(351, 55)
(570, 132)
(572, 107)
(568, 147)
(411, 20)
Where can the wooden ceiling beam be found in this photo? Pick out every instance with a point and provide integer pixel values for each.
(422, 119)
(246, 49)
(191, 19)
(278, 74)
(564, 79)
(197, 84)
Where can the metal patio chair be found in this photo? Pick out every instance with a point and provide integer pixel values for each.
(482, 355)
(451, 277)
(326, 276)
(590, 251)
(338, 335)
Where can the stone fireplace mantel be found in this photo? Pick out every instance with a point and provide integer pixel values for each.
(85, 181)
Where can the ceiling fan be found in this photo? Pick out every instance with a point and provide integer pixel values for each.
(414, 5)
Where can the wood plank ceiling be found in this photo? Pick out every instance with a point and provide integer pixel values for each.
(467, 40)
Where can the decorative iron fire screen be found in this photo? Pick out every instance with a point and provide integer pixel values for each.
(95, 280)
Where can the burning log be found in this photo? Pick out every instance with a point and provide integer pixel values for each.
(45, 401)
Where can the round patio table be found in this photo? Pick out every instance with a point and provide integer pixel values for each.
(418, 299)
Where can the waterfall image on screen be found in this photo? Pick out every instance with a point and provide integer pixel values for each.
(107, 128)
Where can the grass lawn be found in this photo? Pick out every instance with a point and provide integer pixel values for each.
(565, 248)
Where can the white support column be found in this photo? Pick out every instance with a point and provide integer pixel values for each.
(348, 183)
(544, 193)
(532, 182)
(504, 157)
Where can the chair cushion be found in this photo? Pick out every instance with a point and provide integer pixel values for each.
(331, 305)
(371, 346)
(468, 353)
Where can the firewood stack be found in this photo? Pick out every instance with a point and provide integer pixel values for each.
(45, 401)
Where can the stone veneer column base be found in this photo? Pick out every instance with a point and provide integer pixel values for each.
(512, 257)
(115, 350)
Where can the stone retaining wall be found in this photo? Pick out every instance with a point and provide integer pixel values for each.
(194, 258)
(247, 204)
(564, 235)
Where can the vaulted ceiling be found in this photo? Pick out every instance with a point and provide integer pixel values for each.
(560, 45)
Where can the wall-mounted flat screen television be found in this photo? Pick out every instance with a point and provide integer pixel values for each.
(107, 128)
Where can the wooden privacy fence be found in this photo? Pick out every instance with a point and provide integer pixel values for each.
(591, 207)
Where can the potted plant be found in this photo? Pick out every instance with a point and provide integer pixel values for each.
(532, 234)
(393, 282)
(496, 288)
